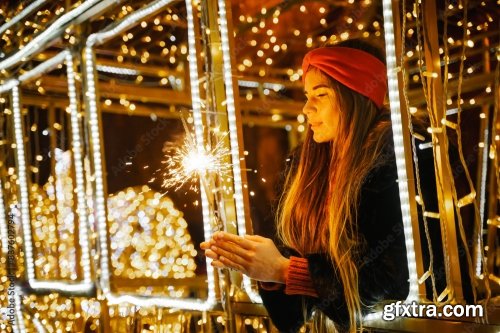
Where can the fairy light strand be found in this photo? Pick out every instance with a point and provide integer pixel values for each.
(430, 269)
(477, 217)
(233, 130)
(3, 223)
(23, 185)
(399, 148)
(51, 32)
(433, 122)
(100, 206)
(80, 182)
(26, 11)
(87, 284)
(45, 66)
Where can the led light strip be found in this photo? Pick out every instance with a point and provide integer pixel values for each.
(98, 174)
(26, 11)
(87, 284)
(7, 86)
(126, 23)
(50, 33)
(25, 217)
(23, 185)
(44, 67)
(198, 128)
(117, 70)
(399, 146)
(233, 137)
(38, 325)
(98, 38)
(19, 326)
(3, 223)
(80, 182)
(482, 199)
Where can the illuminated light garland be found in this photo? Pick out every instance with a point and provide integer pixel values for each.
(448, 123)
(23, 185)
(117, 70)
(51, 32)
(433, 215)
(427, 145)
(98, 174)
(126, 23)
(44, 66)
(80, 182)
(23, 198)
(100, 206)
(4, 235)
(19, 325)
(233, 138)
(482, 200)
(7, 86)
(255, 84)
(26, 11)
(198, 125)
(87, 283)
(399, 147)
(38, 325)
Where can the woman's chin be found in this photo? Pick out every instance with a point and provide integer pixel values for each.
(318, 138)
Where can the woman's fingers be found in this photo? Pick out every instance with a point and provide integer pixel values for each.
(218, 264)
(233, 248)
(211, 254)
(231, 264)
(224, 236)
(233, 257)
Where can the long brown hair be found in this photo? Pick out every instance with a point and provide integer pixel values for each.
(317, 213)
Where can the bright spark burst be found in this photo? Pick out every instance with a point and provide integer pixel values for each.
(189, 163)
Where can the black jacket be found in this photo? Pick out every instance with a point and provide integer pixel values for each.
(382, 262)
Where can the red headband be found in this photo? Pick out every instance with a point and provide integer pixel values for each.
(356, 69)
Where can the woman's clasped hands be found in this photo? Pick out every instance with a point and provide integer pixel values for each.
(255, 256)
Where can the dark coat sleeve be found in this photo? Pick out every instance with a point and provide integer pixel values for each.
(382, 263)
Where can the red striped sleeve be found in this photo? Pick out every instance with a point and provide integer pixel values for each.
(298, 279)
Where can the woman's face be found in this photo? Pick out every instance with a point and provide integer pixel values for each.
(321, 108)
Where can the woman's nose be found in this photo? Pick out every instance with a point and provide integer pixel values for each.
(308, 108)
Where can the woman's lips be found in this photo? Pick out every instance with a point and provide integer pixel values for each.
(313, 125)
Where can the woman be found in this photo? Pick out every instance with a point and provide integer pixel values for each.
(339, 221)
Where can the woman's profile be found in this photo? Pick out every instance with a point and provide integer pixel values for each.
(340, 247)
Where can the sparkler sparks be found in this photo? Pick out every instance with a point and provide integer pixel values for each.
(193, 164)
(187, 164)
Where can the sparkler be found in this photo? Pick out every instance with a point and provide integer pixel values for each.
(188, 163)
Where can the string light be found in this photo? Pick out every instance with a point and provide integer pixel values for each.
(80, 184)
(24, 197)
(3, 223)
(93, 40)
(26, 11)
(399, 147)
(51, 32)
(117, 70)
(233, 139)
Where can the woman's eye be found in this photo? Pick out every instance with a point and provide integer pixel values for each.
(322, 95)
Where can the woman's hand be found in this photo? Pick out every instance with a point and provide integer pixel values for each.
(252, 255)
